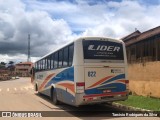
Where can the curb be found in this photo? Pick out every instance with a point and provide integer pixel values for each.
(129, 108)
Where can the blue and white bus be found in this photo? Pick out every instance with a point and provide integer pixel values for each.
(89, 70)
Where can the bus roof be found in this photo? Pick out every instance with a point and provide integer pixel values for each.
(80, 38)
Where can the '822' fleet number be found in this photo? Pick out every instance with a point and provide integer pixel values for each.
(91, 73)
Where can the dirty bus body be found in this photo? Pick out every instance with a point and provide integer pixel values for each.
(89, 70)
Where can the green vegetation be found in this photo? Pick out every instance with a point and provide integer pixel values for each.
(142, 102)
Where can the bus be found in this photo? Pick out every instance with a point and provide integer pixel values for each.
(89, 70)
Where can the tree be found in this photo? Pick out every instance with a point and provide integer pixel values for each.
(3, 63)
(11, 63)
(11, 66)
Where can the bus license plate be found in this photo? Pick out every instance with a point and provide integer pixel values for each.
(106, 91)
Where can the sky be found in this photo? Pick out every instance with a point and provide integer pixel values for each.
(53, 23)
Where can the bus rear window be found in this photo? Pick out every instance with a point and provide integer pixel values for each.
(107, 50)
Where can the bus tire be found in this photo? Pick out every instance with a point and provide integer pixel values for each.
(54, 96)
(36, 87)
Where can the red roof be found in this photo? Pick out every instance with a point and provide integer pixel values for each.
(132, 35)
(142, 36)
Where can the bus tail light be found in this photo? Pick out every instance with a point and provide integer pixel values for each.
(80, 87)
(127, 84)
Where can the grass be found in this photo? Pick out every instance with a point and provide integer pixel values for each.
(142, 102)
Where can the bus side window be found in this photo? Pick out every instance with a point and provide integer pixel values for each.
(48, 62)
(65, 57)
(40, 67)
(37, 66)
(52, 61)
(71, 51)
(43, 63)
(60, 58)
(56, 60)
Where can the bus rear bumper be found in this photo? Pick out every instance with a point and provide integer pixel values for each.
(84, 100)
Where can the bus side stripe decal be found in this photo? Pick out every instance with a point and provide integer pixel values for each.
(120, 76)
(100, 81)
(45, 81)
(68, 85)
(107, 80)
(121, 81)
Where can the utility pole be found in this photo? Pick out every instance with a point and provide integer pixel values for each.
(29, 59)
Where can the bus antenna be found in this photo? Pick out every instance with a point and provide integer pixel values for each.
(29, 59)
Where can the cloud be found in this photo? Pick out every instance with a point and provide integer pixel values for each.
(124, 17)
(16, 23)
(92, 17)
(78, 14)
(53, 23)
(17, 58)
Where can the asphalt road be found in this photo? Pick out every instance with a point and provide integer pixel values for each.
(19, 95)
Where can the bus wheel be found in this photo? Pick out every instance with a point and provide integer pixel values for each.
(36, 87)
(54, 96)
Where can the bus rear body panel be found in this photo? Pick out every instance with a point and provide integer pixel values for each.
(104, 80)
(104, 72)
(102, 84)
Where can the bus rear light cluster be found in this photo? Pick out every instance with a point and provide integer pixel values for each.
(127, 84)
(80, 87)
(91, 99)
